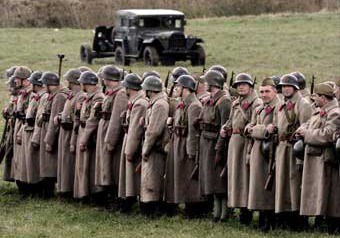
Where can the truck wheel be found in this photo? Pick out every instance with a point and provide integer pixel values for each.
(198, 58)
(120, 58)
(150, 56)
(86, 54)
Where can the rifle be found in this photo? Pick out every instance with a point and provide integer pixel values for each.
(231, 79)
(226, 147)
(3, 141)
(255, 80)
(61, 57)
(122, 75)
(312, 85)
(171, 90)
(271, 174)
(195, 171)
(166, 82)
(138, 168)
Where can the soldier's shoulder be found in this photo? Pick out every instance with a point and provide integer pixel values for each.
(195, 105)
(143, 101)
(257, 103)
(122, 92)
(98, 95)
(304, 102)
(62, 95)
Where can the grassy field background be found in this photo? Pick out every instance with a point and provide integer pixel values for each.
(262, 46)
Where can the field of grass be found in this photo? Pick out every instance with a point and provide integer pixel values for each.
(262, 46)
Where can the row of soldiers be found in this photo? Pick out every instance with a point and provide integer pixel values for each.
(198, 143)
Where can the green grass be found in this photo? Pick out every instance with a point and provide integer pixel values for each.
(262, 46)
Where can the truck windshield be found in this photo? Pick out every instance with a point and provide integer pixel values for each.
(160, 22)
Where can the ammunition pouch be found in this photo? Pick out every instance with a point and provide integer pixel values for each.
(181, 131)
(19, 115)
(210, 135)
(30, 121)
(77, 113)
(105, 115)
(46, 116)
(82, 124)
(209, 127)
(67, 126)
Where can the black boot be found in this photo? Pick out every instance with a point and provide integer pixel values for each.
(246, 216)
(49, 188)
(320, 224)
(333, 225)
(127, 204)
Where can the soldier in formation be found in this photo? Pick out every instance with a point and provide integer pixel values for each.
(215, 148)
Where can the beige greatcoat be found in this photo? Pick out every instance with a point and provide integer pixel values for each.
(29, 153)
(185, 144)
(242, 113)
(259, 198)
(129, 178)
(66, 159)
(214, 114)
(84, 178)
(153, 149)
(19, 162)
(110, 131)
(50, 132)
(288, 178)
(320, 194)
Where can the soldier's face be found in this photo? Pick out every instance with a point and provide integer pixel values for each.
(52, 88)
(178, 91)
(267, 93)
(288, 91)
(18, 82)
(319, 100)
(83, 88)
(127, 92)
(243, 89)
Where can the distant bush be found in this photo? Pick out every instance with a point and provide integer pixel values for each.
(90, 13)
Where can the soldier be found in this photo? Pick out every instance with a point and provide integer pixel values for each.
(131, 156)
(149, 73)
(153, 147)
(66, 158)
(170, 206)
(201, 90)
(175, 73)
(214, 114)
(8, 115)
(57, 95)
(84, 178)
(221, 69)
(302, 85)
(276, 80)
(242, 112)
(30, 173)
(262, 156)
(294, 111)
(320, 193)
(21, 75)
(110, 132)
(186, 146)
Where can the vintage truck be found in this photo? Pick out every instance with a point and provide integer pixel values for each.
(152, 35)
